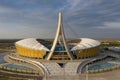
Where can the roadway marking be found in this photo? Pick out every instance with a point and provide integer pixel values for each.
(98, 79)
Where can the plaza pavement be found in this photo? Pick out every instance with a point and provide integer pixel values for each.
(111, 75)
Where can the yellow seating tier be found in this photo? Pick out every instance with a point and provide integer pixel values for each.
(28, 52)
(87, 52)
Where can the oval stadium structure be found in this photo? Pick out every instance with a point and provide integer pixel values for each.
(32, 48)
(60, 49)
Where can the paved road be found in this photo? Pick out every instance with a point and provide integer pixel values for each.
(111, 75)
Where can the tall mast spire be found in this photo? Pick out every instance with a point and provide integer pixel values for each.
(60, 32)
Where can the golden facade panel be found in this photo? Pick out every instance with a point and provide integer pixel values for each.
(87, 52)
(30, 52)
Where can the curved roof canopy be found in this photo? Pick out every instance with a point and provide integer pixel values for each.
(86, 43)
(31, 43)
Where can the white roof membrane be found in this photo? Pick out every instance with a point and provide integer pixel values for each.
(86, 43)
(31, 43)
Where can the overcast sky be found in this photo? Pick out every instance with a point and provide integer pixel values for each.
(38, 18)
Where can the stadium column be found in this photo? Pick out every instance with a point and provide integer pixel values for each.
(59, 33)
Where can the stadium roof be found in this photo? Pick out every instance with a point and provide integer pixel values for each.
(86, 43)
(31, 43)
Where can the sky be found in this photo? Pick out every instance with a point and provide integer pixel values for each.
(38, 18)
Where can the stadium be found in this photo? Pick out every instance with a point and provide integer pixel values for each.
(60, 49)
(60, 58)
(32, 48)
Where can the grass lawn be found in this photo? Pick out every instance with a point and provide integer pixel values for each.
(1, 51)
(9, 78)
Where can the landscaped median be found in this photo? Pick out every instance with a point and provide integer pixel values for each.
(15, 70)
(104, 70)
(10, 78)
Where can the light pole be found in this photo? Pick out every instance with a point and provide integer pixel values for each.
(87, 72)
